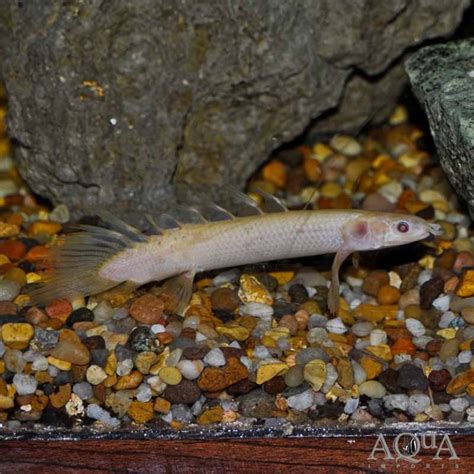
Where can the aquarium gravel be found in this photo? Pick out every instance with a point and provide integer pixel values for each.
(256, 342)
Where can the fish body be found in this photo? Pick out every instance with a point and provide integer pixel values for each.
(97, 259)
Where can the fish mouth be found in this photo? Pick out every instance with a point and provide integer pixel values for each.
(435, 229)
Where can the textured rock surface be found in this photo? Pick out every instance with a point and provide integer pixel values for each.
(442, 77)
(112, 100)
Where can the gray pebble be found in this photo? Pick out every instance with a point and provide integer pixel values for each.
(83, 390)
(9, 290)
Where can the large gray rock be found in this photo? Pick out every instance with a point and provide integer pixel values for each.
(111, 100)
(442, 77)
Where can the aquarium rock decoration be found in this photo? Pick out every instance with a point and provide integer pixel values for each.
(110, 101)
(442, 77)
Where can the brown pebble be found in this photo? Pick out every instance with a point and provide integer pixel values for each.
(388, 294)
(433, 347)
(290, 322)
(61, 397)
(241, 388)
(148, 309)
(375, 202)
(224, 299)
(409, 274)
(71, 348)
(429, 291)
(213, 379)
(186, 392)
(8, 308)
(463, 260)
(232, 352)
(100, 392)
(374, 281)
(130, 381)
(195, 353)
(439, 379)
(446, 259)
(35, 315)
(275, 385)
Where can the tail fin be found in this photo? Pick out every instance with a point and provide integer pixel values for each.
(75, 265)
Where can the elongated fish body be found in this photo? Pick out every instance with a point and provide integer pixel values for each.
(199, 247)
(97, 259)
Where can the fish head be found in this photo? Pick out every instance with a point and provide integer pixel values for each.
(381, 230)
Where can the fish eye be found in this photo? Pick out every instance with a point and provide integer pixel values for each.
(403, 227)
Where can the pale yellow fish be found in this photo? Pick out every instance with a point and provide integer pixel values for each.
(96, 259)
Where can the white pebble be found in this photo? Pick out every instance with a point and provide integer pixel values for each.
(362, 328)
(424, 276)
(214, 358)
(394, 279)
(373, 389)
(415, 327)
(247, 362)
(301, 401)
(40, 363)
(157, 328)
(98, 413)
(228, 276)
(391, 191)
(360, 376)
(190, 369)
(459, 404)
(95, 375)
(309, 277)
(446, 319)
(398, 401)
(418, 403)
(261, 352)
(156, 384)
(422, 341)
(144, 393)
(442, 302)
(124, 367)
(259, 310)
(336, 326)
(465, 357)
(25, 384)
(351, 405)
(378, 336)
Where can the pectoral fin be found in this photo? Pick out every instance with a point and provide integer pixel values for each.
(179, 289)
(333, 299)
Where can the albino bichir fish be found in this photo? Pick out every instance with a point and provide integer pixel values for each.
(96, 259)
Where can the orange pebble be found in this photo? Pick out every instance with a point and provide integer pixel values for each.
(388, 294)
(38, 253)
(44, 227)
(312, 170)
(13, 249)
(403, 346)
(59, 309)
(275, 172)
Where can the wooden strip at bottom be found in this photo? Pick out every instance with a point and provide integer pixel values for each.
(270, 455)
